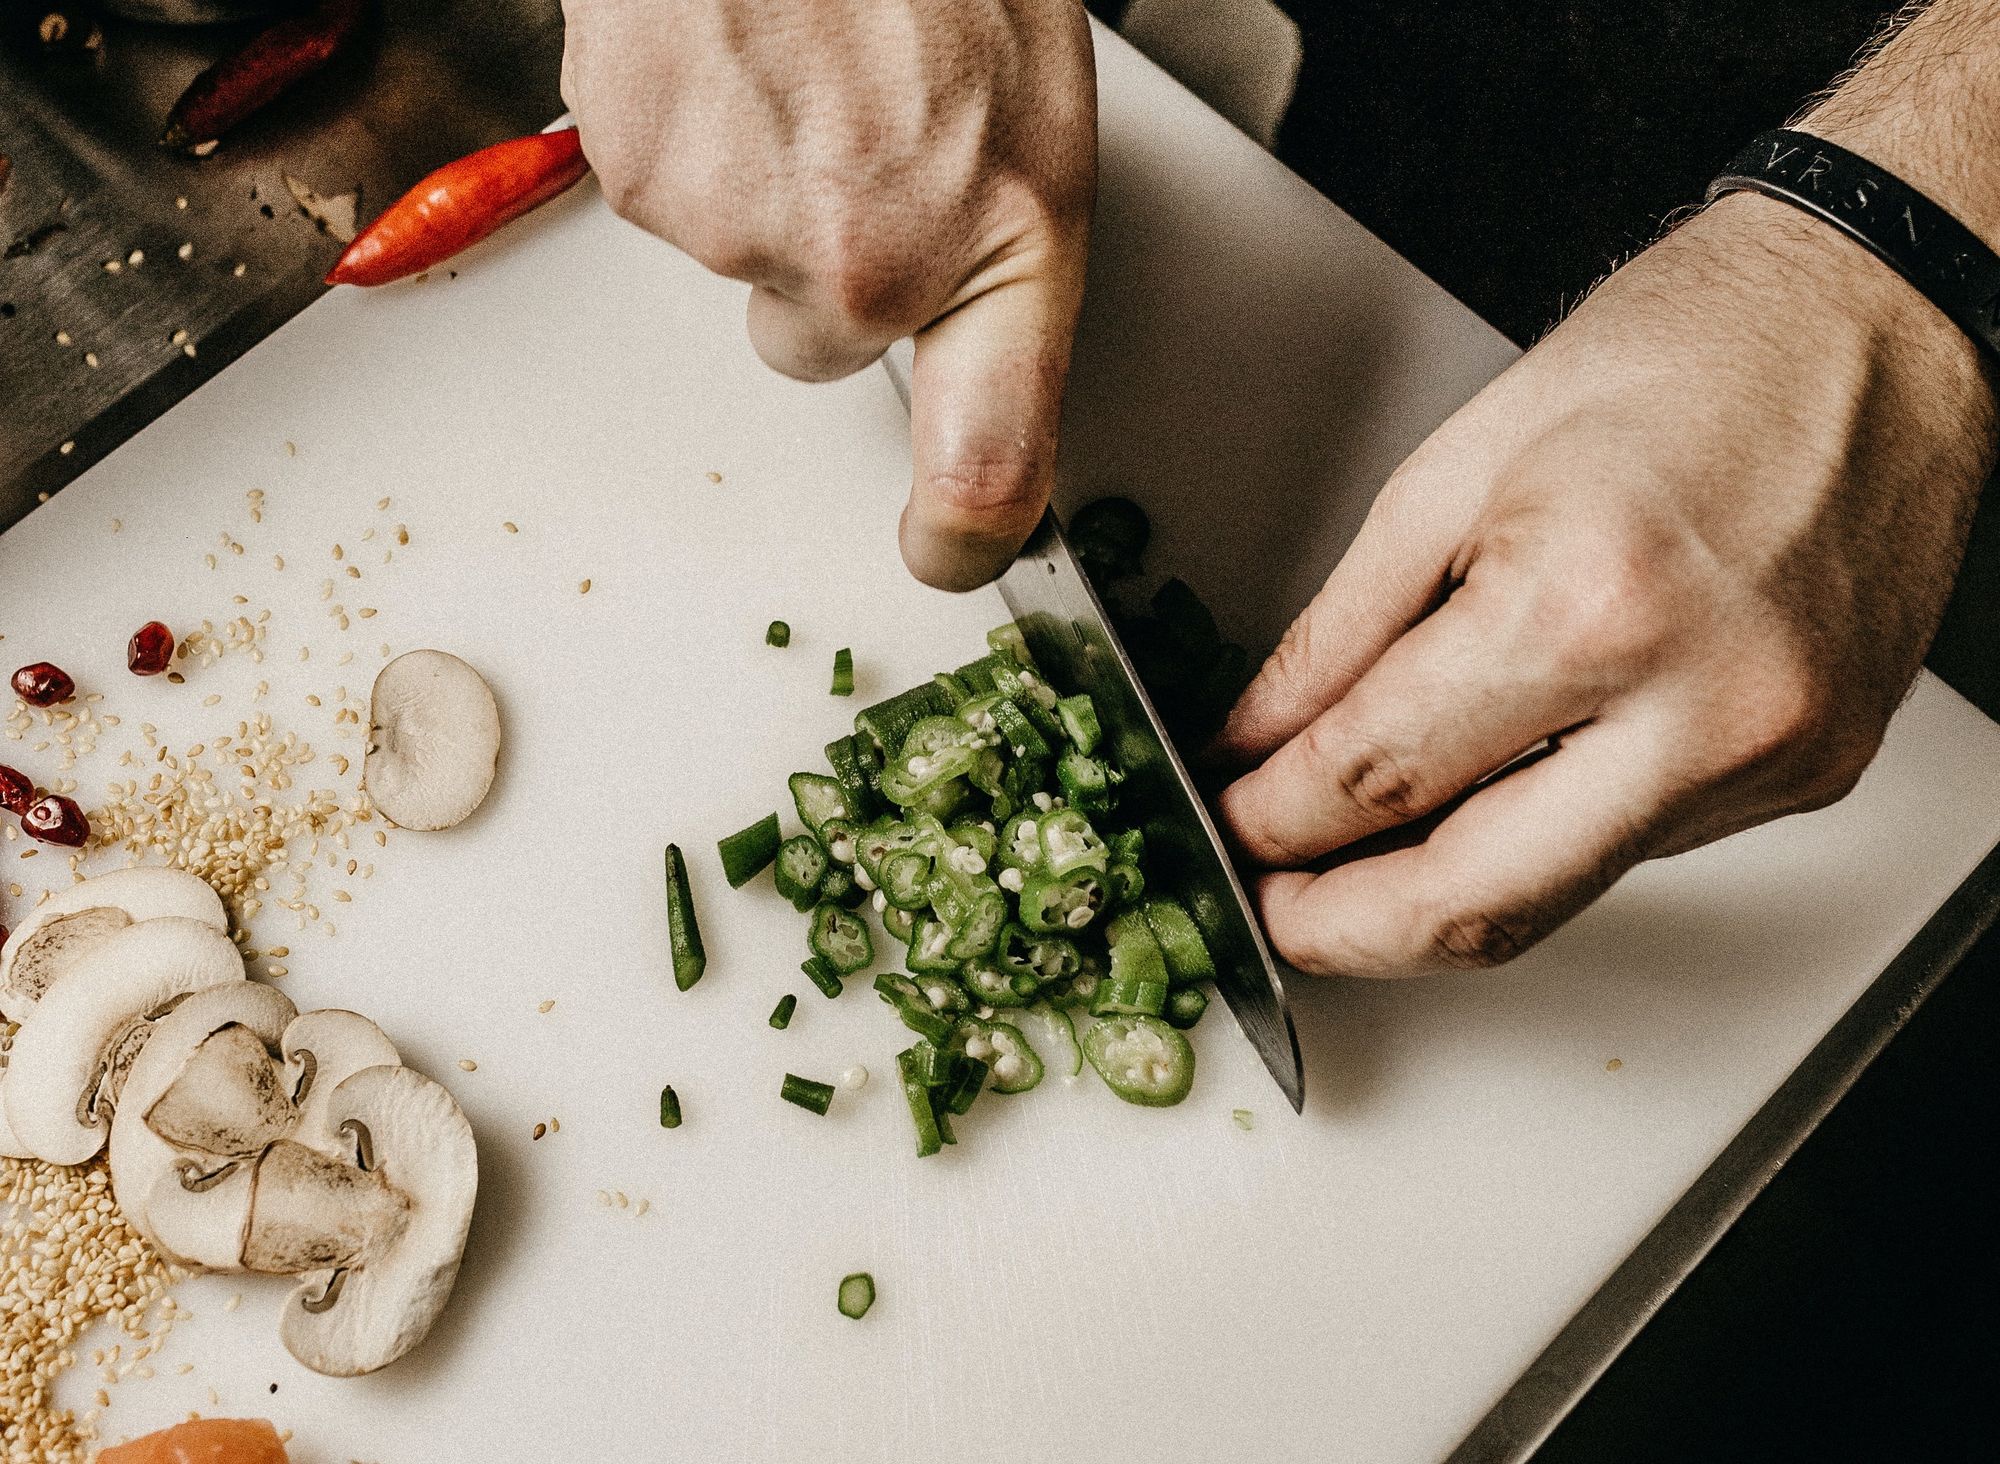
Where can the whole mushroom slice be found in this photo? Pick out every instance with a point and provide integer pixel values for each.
(323, 1049)
(313, 1212)
(367, 1313)
(65, 926)
(193, 1203)
(433, 740)
(64, 1068)
(10, 1147)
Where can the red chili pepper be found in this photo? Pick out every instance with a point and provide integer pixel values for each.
(460, 204)
(245, 82)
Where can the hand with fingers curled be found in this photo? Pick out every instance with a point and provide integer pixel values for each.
(1699, 537)
(874, 169)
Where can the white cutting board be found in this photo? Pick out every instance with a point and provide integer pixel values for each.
(1078, 1279)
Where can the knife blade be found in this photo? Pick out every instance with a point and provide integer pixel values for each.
(1072, 638)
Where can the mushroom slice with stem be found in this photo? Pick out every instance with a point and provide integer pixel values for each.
(433, 740)
(193, 1203)
(322, 1049)
(65, 1066)
(363, 1315)
(312, 1212)
(65, 926)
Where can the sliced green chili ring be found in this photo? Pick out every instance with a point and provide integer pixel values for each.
(844, 756)
(975, 934)
(930, 948)
(781, 1014)
(746, 852)
(945, 799)
(1130, 996)
(1078, 715)
(908, 777)
(778, 634)
(883, 726)
(978, 835)
(935, 734)
(912, 1002)
(1186, 953)
(878, 841)
(952, 687)
(1024, 778)
(1043, 958)
(1033, 698)
(801, 868)
(1141, 1059)
(857, 1294)
(901, 924)
(1061, 904)
(929, 1141)
(1085, 782)
(990, 985)
(818, 799)
(683, 933)
(937, 1067)
(810, 1095)
(1059, 1031)
(1136, 956)
(1016, 1065)
(823, 976)
(840, 938)
(1124, 884)
(1069, 842)
(1022, 736)
(1020, 844)
(670, 1107)
(1128, 846)
(905, 879)
(1185, 1005)
(843, 672)
(1079, 990)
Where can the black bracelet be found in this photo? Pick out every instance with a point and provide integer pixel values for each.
(1893, 221)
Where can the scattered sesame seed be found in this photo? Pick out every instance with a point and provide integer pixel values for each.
(180, 203)
(114, 266)
(63, 338)
(547, 1006)
(186, 251)
(67, 448)
(240, 271)
(90, 359)
(604, 1197)
(467, 1065)
(714, 477)
(511, 527)
(1613, 1065)
(584, 588)
(540, 1130)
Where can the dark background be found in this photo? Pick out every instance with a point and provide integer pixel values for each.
(1516, 150)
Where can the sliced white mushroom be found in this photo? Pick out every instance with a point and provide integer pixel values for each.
(65, 1065)
(322, 1050)
(364, 1314)
(433, 741)
(192, 1203)
(67, 924)
(10, 1147)
(312, 1212)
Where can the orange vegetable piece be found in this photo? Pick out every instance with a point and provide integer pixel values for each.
(203, 1441)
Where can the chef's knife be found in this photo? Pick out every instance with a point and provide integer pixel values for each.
(1071, 636)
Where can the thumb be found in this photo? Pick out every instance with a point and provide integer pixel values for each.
(985, 402)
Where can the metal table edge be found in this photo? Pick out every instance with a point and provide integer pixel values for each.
(1531, 1408)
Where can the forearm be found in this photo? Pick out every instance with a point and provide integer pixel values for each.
(1926, 107)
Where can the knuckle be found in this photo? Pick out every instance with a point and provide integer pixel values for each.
(987, 495)
(1377, 781)
(1475, 939)
(1612, 620)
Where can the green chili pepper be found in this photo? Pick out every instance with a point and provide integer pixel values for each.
(778, 634)
(781, 1014)
(670, 1108)
(823, 976)
(839, 938)
(746, 852)
(815, 1097)
(857, 1294)
(801, 870)
(683, 934)
(1141, 1059)
(843, 672)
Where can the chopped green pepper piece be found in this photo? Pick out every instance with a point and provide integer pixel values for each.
(1058, 904)
(1078, 716)
(801, 870)
(912, 1001)
(1124, 884)
(851, 770)
(905, 879)
(857, 1294)
(1020, 845)
(1016, 1067)
(1021, 735)
(843, 672)
(1007, 641)
(1069, 842)
(901, 924)
(1141, 1059)
(778, 634)
(1185, 1005)
(781, 1014)
(746, 852)
(838, 886)
(823, 976)
(1129, 996)
(839, 938)
(683, 934)
(815, 1097)
(670, 1107)
(929, 1140)
(883, 726)
(1180, 941)
(930, 948)
(1086, 782)
(819, 799)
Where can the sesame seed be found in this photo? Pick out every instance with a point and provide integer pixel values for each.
(714, 477)
(90, 359)
(511, 527)
(186, 251)
(547, 1006)
(584, 588)
(467, 1065)
(540, 1130)
(67, 448)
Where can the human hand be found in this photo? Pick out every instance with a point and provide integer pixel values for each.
(874, 169)
(1702, 535)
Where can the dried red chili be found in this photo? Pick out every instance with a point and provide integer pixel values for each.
(55, 819)
(17, 790)
(150, 649)
(460, 204)
(278, 57)
(43, 684)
